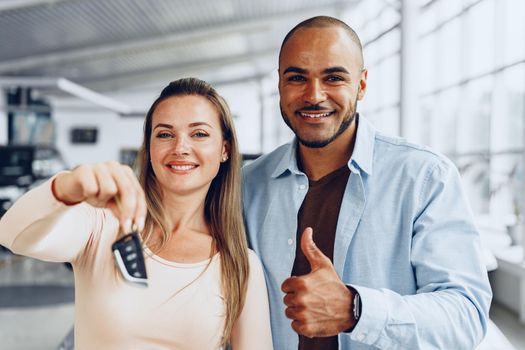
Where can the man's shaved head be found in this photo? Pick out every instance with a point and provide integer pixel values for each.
(325, 22)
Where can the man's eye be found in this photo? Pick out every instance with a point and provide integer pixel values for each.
(334, 78)
(296, 78)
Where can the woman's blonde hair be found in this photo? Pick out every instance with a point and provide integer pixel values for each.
(222, 204)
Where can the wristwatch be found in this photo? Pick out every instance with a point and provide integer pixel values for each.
(356, 308)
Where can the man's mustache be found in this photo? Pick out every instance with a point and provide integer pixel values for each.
(313, 108)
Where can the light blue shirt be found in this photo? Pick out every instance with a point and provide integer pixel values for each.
(405, 240)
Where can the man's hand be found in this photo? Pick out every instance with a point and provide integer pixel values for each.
(319, 303)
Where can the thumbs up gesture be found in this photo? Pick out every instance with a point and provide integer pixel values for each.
(318, 303)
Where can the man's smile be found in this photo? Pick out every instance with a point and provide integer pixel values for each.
(315, 114)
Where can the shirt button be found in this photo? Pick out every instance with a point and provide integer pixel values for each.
(361, 336)
(290, 241)
(302, 187)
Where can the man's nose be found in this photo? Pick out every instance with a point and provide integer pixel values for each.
(314, 92)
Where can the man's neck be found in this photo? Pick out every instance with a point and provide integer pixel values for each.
(319, 162)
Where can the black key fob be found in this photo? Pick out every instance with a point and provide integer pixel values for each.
(130, 259)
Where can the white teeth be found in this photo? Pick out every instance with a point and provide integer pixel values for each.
(308, 115)
(182, 167)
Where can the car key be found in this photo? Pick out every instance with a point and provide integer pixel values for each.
(130, 259)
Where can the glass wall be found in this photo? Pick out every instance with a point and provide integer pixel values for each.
(377, 23)
(469, 87)
(472, 93)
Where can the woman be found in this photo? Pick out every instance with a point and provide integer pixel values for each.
(205, 288)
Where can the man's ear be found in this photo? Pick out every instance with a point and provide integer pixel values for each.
(361, 90)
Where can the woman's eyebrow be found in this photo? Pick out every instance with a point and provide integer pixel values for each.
(199, 124)
(191, 125)
(162, 125)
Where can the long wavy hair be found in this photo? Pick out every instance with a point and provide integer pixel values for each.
(222, 204)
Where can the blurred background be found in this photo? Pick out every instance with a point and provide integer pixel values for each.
(77, 76)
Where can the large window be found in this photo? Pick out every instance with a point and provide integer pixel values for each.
(377, 23)
(469, 87)
(472, 94)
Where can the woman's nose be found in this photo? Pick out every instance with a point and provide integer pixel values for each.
(181, 146)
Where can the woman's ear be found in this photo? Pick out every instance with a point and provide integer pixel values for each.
(225, 151)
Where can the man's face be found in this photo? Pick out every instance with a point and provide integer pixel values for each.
(320, 81)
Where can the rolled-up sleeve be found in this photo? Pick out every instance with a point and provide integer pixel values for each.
(450, 307)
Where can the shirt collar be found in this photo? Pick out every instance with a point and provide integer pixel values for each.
(362, 155)
(288, 160)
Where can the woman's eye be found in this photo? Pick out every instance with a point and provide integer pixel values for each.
(200, 134)
(163, 135)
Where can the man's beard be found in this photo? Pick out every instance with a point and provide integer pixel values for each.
(347, 121)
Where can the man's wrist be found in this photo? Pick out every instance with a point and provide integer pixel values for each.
(355, 308)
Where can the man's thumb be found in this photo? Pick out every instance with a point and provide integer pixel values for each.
(315, 256)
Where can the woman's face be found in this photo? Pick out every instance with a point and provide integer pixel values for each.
(186, 144)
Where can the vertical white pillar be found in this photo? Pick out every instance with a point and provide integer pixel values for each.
(409, 121)
(260, 89)
(3, 118)
(522, 218)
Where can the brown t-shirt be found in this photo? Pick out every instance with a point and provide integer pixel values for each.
(320, 211)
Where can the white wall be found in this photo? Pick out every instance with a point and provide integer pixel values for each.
(114, 132)
(245, 106)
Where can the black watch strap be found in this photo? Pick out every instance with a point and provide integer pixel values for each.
(356, 308)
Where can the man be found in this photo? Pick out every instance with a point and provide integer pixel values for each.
(396, 260)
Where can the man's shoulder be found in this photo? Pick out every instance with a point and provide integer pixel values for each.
(398, 149)
(266, 164)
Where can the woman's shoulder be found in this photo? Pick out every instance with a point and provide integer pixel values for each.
(255, 262)
(252, 256)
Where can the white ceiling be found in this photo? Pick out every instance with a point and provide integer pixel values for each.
(113, 44)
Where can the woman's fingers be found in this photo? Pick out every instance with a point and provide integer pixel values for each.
(129, 198)
(76, 186)
(141, 207)
(105, 185)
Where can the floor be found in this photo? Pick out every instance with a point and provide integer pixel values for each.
(36, 303)
(508, 323)
(36, 306)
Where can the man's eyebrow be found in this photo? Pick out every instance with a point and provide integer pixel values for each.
(295, 70)
(337, 69)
